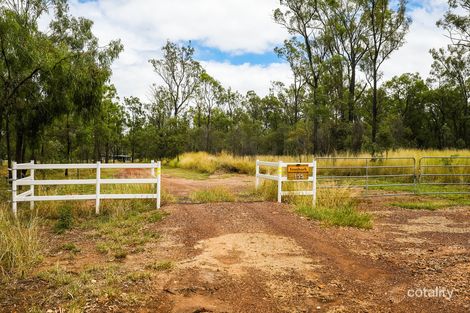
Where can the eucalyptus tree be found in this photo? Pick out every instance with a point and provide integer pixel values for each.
(159, 108)
(405, 110)
(451, 70)
(136, 117)
(293, 99)
(304, 21)
(295, 92)
(386, 30)
(179, 73)
(21, 62)
(457, 22)
(46, 75)
(209, 96)
(347, 30)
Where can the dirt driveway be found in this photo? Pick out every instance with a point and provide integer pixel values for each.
(263, 258)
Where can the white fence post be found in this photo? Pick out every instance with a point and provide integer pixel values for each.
(279, 182)
(159, 183)
(314, 183)
(98, 189)
(13, 188)
(257, 173)
(31, 188)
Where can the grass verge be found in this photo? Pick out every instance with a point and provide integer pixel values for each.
(335, 207)
(430, 206)
(339, 216)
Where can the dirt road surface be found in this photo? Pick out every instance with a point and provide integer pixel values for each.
(263, 257)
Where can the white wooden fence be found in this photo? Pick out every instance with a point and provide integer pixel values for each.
(280, 179)
(29, 195)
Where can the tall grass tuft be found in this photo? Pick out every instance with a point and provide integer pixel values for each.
(336, 207)
(211, 195)
(209, 163)
(19, 244)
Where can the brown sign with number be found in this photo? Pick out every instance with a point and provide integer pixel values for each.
(297, 172)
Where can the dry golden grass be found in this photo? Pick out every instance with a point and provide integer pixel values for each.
(19, 243)
(207, 163)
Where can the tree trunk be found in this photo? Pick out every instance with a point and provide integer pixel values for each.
(351, 96)
(8, 142)
(69, 144)
(208, 129)
(316, 141)
(374, 108)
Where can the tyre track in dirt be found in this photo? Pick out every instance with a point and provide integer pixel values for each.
(339, 278)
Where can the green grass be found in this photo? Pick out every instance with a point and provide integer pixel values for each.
(70, 247)
(218, 194)
(160, 266)
(334, 207)
(124, 234)
(65, 220)
(339, 216)
(435, 203)
(185, 173)
(430, 206)
(56, 277)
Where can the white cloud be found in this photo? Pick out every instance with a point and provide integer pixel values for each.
(233, 27)
(423, 35)
(248, 77)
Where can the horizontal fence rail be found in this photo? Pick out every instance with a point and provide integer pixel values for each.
(367, 173)
(280, 178)
(29, 195)
(444, 172)
(380, 176)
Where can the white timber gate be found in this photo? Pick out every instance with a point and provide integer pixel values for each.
(31, 197)
(281, 178)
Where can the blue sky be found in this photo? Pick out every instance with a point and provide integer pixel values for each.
(234, 39)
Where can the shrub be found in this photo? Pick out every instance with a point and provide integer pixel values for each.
(64, 221)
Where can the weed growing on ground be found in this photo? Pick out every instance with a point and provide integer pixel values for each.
(340, 216)
(65, 220)
(160, 266)
(335, 207)
(70, 247)
(138, 276)
(267, 190)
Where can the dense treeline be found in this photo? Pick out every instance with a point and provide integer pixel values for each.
(57, 103)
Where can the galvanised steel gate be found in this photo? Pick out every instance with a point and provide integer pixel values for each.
(444, 175)
(396, 176)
